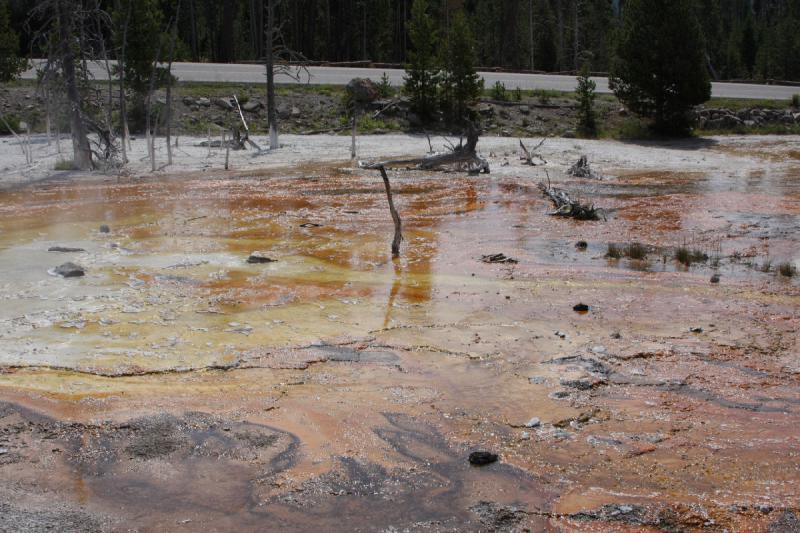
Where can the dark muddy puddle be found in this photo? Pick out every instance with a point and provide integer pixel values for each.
(436, 481)
(191, 469)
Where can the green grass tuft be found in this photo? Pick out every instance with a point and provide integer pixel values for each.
(686, 256)
(636, 250)
(614, 251)
(787, 269)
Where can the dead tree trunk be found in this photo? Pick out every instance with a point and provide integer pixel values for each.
(398, 229)
(169, 82)
(272, 111)
(354, 133)
(82, 157)
(123, 108)
(151, 148)
(104, 52)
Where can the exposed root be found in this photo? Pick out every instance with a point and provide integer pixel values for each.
(460, 157)
(581, 169)
(530, 154)
(567, 207)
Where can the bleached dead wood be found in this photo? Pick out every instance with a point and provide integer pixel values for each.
(530, 154)
(567, 207)
(246, 138)
(398, 229)
(460, 157)
(581, 169)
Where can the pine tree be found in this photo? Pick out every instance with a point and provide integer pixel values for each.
(144, 36)
(10, 63)
(422, 72)
(659, 70)
(461, 85)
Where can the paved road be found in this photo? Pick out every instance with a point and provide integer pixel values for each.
(219, 72)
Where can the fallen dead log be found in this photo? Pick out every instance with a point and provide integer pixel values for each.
(242, 139)
(530, 154)
(567, 207)
(581, 169)
(461, 157)
(498, 258)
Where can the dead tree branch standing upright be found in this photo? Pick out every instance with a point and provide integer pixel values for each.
(272, 111)
(280, 59)
(530, 154)
(168, 118)
(123, 108)
(149, 134)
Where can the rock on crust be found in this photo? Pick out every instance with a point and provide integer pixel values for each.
(69, 270)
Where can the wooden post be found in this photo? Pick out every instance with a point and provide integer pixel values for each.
(169, 82)
(227, 149)
(353, 136)
(28, 140)
(398, 234)
(47, 119)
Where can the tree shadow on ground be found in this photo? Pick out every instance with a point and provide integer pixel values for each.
(675, 143)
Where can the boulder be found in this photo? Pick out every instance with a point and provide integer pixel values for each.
(295, 113)
(486, 110)
(362, 90)
(224, 104)
(251, 106)
(69, 270)
(481, 458)
(524, 109)
(188, 100)
(203, 102)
